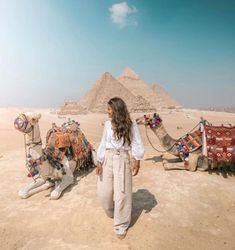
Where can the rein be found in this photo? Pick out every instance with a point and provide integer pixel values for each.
(28, 163)
(26, 159)
(160, 151)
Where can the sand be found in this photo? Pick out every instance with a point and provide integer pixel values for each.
(171, 209)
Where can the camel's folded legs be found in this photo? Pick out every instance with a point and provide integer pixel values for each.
(43, 187)
(34, 187)
(173, 166)
(191, 165)
(66, 181)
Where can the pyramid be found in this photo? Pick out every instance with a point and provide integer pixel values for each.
(72, 108)
(129, 73)
(132, 82)
(165, 100)
(138, 95)
(95, 100)
(137, 86)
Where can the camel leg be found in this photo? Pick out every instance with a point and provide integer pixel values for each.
(192, 161)
(202, 164)
(43, 187)
(173, 166)
(94, 157)
(191, 165)
(24, 192)
(66, 181)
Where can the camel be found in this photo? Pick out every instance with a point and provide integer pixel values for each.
(49, 171)
(194, 160)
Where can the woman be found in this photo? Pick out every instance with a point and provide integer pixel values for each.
(113, 164)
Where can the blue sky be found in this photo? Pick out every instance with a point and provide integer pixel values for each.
(54, 50)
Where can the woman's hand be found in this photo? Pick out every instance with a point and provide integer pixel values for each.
(99, 169)
(135, 167)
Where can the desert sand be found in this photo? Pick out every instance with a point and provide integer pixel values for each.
(171, 209)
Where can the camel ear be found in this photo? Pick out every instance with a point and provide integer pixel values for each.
(33, 117)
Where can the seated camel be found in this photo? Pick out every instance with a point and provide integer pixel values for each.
(191, 157)
(67, 150)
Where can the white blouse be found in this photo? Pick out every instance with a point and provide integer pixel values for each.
(108, 141)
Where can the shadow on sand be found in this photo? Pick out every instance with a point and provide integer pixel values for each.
(142, 200)
(160, 159)
(224, 171)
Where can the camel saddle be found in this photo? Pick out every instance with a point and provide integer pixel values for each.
(193, 141)
(220, 143)
(69, 137)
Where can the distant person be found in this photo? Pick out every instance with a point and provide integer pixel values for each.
(113, 164)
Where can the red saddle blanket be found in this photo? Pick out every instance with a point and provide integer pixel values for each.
(220, 143)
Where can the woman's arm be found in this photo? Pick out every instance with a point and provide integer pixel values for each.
(137, 149)
(135, 167)
(101, 152)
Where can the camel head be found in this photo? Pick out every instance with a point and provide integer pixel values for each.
(27, 123)
(151, 120)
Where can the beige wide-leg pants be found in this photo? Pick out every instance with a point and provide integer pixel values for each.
(115, 188)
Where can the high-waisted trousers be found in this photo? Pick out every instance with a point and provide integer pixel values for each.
(115, 188)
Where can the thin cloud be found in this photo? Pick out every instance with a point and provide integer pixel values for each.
(120, 14)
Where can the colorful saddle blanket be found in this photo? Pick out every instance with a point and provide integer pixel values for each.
(220, 143)
(189, 143)
(69, 136)
(193, 140)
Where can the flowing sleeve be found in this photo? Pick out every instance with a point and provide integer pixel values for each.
(102, 146)
(137, 147)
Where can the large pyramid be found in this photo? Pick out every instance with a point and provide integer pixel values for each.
(138, 96)
(95, 100)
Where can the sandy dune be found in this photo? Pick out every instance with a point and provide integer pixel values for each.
(172, 209)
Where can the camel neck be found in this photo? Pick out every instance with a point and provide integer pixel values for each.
(35, 151)
(34, 136)
(165, 139)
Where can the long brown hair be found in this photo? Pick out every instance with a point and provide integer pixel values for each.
(121, 120)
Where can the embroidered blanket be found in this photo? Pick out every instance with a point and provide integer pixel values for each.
(189, 143)
(220, 143)
(193, 140)
(69, 136)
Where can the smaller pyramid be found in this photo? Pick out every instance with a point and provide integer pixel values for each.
(129, 73)
(72, 108)
(165, 99)
(136, 86)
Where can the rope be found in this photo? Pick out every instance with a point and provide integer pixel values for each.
(160, 151)
(167, 150)
(26, 154)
